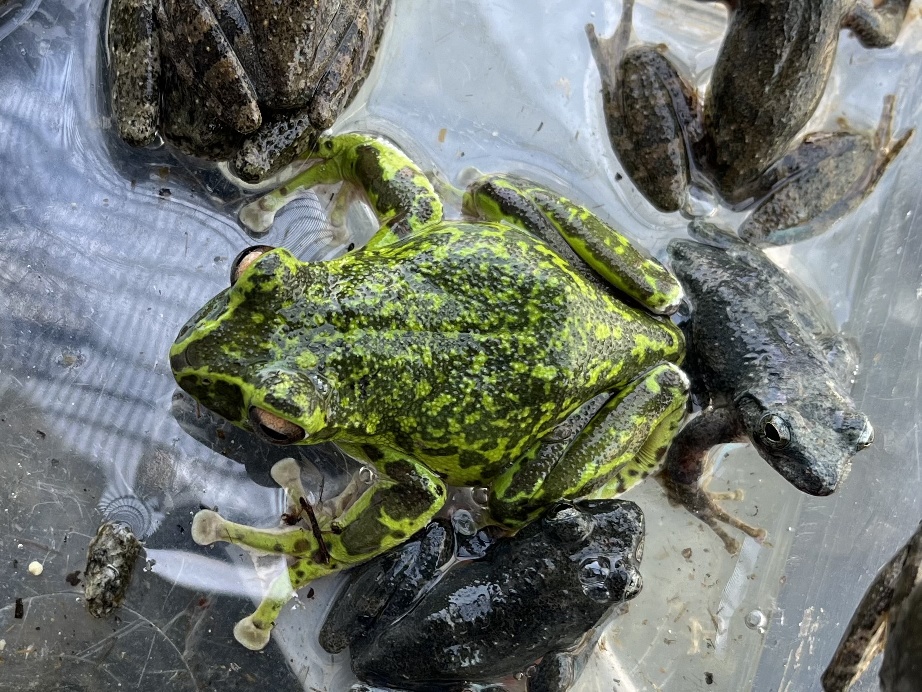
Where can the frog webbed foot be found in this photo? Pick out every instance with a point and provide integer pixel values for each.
(686, 463)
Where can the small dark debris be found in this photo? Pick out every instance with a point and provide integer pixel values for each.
(20, 612)
(55, 462)
(351, 247)
(181, 529)
(310, 592)
(15, 564)
(709, 678)
(687, 553)
(41, 434)
(165, 192)
(73, 578)
(540, 125)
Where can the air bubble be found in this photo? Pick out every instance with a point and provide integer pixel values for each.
(756, 620)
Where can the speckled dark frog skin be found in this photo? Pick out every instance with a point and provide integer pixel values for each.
(250, 81)
(773, 371)
(532, 595)
(768, 79)
(888, 619)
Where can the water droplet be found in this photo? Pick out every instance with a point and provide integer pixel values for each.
(755, 619)
(481, 496)
(594, 570)
(366, 475)
(464, 523)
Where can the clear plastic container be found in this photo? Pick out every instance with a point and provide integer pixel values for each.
(106, 251)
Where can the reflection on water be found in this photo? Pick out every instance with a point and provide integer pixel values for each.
(106, 252)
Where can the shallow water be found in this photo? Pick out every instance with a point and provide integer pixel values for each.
(106, 252)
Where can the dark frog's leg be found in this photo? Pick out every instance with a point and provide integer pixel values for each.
(819, 182)
(401, 195)
(651, 112)
(398, 504)
(686, 463)
(612, 255)
(601, 450)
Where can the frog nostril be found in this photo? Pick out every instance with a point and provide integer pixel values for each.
(275, 429)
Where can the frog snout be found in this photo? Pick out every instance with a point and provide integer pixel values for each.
(814, 477)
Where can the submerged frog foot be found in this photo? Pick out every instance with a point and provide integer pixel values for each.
(703, 504)
(208, 527)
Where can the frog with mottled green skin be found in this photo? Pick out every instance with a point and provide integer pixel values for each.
(227, 79)
(464, 352)
(770, 74)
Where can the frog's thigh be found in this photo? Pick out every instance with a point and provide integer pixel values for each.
(622, 444)
(612, 255)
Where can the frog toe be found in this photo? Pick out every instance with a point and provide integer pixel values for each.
(248, 633)
(208, 527)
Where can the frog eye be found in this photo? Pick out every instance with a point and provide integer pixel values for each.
(242, 261)
(776, 433)
(567, 523)
(273, 428)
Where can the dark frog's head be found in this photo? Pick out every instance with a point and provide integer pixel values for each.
(604, 540)
(240, 355)
(812, 445)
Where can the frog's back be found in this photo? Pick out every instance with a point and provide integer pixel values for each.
(773, 66)
(772, 330)
(465, 343)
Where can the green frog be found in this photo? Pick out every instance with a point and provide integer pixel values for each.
(888, 619)
(465, 352)
(226, 79)
(768, 79)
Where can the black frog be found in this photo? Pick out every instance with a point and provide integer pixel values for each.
(533, 595)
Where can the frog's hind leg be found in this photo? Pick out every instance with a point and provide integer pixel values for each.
(686, 463)
(604, 451)
(399, 192)
(651, 112)
(399, 503)
(548, 215)
(823, 179)
(877, 24)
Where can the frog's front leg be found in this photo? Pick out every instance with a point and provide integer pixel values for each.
(686, 462)
(609, 253)
(819, 182)
(397, 505)
(401, 195)
(651, 112)
(610, 449)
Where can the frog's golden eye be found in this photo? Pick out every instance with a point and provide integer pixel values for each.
(273, 428)
(776, 433)
(242, 261)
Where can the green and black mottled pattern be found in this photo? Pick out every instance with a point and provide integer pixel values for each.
(460, 345)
